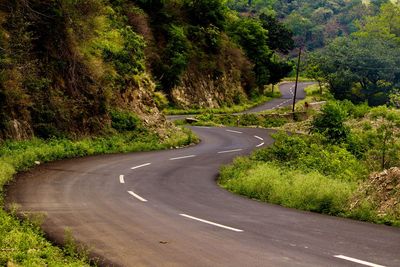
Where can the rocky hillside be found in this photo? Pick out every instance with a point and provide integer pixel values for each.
(381, 192)
(68, 66)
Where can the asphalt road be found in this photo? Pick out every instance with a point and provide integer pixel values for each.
(286, 99)
(164, 209)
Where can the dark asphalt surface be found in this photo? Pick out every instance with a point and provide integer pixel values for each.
(153, 225)
(286, 99)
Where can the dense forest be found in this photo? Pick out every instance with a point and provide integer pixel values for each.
(313, 23)
(363, 66)
(71, 66)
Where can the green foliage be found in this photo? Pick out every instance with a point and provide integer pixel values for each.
(124, 121)
(253, 38)
(206, 12)
(129, 60)
(309, 154)
(160, 100)
(23, 244)
(309, 173)
(330, 123)
(384, 141)
(280, 38)
(364, 66)
(241, 120)
(270, 183)
(176, 55)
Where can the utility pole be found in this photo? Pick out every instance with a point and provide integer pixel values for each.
(297, 80)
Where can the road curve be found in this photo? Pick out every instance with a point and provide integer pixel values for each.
(164, 209)
(286, 99)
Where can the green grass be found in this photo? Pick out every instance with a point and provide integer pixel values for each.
(313, 94)
(242, 120)
(295, 189)
(301, 79)
(227, 109)
(22, 242)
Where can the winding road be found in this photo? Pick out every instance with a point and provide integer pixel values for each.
(164, 208)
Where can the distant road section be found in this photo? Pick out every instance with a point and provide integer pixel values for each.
(286, 99)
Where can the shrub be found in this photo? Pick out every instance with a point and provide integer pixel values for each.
(161, 100)
(308, 155)
(124, 121)
(285, 149)
(330, 122)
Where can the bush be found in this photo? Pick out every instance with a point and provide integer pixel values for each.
(330, 122)
(124, 121)
(285, 149)
(308, 155)
(161, 100)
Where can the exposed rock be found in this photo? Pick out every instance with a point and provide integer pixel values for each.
(206, 92)
(18, 130)
(382, 190)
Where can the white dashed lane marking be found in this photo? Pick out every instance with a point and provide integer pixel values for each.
(230, 151)
(232, 131)
(137, 196)
(184, 157)
(211, 223)
(366, 263)
(260, 144)
(259, 138)
(121, 179)
(140, 166)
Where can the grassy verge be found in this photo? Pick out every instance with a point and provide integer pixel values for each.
(295, 189)
(301, 79)
(334, 168)
(22, 242)
(255, 101)
(239, 120)
(313, 94)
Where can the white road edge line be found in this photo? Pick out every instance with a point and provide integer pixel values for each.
(358, 261)
(259, 138)
(184, 157)
(230, 151)
(121, 179)
(260, 144)
(232, 131)
(140, 166)
(212, 223)
(137, 196)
